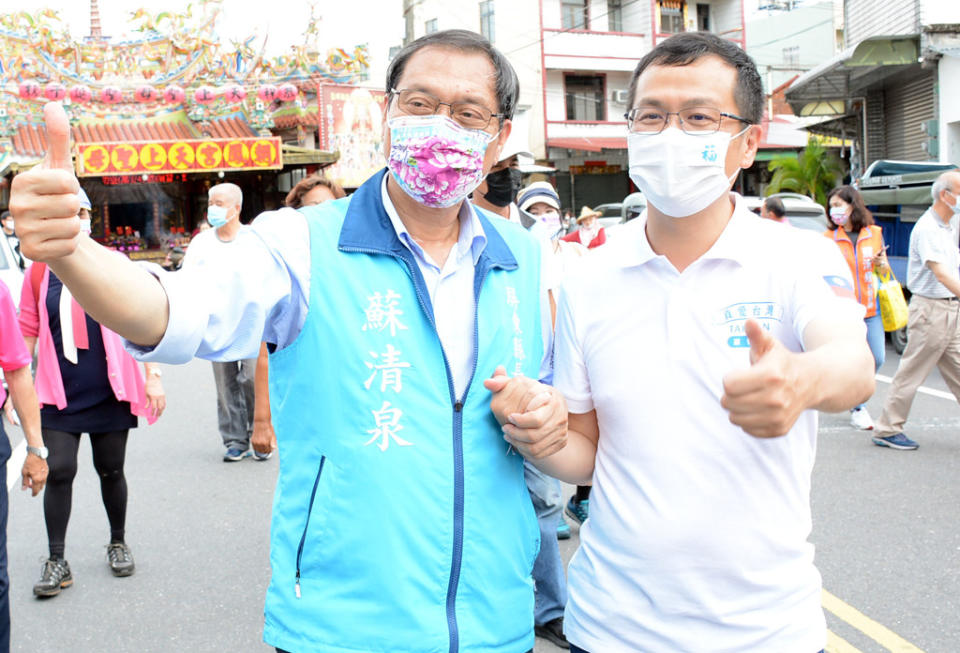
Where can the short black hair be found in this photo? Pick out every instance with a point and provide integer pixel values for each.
(775, 206)
(507, 87)
(685, 48)
(4, 215)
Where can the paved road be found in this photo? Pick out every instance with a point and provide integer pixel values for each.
(888, 541)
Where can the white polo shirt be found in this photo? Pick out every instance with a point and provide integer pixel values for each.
(697, 537)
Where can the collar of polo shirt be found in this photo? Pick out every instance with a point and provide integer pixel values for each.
(734, 243)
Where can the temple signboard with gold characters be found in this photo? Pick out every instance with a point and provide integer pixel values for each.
(153, 157)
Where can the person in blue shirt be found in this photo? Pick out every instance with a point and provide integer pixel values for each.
(385, 312)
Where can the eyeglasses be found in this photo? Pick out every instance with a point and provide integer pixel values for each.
(695, 120)
(421, 103)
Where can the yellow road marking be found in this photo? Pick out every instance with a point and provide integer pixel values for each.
(875, 631)
(837, 644)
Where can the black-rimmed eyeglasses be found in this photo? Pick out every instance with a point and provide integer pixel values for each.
(695, 120)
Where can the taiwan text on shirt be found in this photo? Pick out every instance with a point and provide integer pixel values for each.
(691, 516)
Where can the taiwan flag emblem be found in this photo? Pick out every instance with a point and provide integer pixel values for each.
(840, 286)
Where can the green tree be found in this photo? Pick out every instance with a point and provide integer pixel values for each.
(814, 172)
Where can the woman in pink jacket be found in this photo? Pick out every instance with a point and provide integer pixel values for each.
(86, 383)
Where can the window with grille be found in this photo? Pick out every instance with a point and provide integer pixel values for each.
(573, 14)
(671, 16)
(584, 95)
(486, 19)
(615, 15)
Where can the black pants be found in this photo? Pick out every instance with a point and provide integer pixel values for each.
(4, 578)
(109, 452)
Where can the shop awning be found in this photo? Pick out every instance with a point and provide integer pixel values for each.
(824, 90)
(588, 144)
(300, 156)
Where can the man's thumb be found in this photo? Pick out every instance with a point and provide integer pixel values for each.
(760, 340)
(58, 137)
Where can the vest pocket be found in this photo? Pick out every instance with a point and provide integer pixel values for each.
(306, 523)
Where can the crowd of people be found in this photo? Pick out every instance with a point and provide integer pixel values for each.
(673, 374)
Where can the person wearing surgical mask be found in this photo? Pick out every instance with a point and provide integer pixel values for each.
(215, 249)
(860, 241)
(497, 192)
(401, 519)
(934, 323)
(694, 351)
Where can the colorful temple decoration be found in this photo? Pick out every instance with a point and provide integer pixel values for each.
(177, 65)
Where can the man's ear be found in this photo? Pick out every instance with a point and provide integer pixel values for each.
(504, 135)
(751, 143)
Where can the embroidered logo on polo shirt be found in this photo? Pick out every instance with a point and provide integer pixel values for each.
(732, 319)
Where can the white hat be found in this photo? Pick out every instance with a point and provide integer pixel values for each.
(538, 192)
(84, 200)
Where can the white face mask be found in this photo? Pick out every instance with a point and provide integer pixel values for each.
(85, 225)
(681, 174)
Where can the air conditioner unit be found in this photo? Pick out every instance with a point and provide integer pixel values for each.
(619, 96)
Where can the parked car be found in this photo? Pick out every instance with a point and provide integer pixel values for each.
(610, 214)
(802, 212)
(632, 206)
(10, 273)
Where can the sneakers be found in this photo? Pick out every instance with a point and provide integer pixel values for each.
(563, 530)
(54, 576)
(578, 511)
(120, 559)
(860, 419)
(234, 454)
(896, 441)
(260, 457)
(553, 632)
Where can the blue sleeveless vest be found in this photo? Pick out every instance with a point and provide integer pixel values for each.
(401, 521)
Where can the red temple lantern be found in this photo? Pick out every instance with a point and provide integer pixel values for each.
(111, 95)
(30, 90)
(80, 94)
(205, 95)
(234, 93)
(287, 93)
(55, 91)
(145, 93)
(267, 92)
(174, 95)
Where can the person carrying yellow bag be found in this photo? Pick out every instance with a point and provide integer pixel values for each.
(861, 242)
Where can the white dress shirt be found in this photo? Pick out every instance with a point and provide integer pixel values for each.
(261, 287)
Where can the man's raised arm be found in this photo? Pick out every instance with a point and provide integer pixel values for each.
(116, 292)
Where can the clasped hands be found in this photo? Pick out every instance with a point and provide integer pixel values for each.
(533, 415)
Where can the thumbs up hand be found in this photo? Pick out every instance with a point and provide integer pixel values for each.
(44, 201)
(765, 400)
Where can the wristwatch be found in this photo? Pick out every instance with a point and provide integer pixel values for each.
(39, 452)
(156, 371)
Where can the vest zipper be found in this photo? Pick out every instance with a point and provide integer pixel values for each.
(457, 405)
(303, 538)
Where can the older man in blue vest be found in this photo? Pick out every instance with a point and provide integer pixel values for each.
(385, 310)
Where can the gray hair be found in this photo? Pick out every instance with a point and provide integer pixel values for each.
(506, 86)
(230, 192)
(941, 184)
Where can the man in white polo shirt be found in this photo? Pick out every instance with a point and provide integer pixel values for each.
(934, 325)
(692, 382)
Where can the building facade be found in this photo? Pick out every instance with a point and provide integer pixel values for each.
(895, 88)
(574, 59)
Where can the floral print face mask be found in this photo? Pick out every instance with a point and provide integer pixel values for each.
(434, 160)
